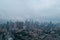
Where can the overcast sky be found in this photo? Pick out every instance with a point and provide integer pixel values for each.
(24, 9)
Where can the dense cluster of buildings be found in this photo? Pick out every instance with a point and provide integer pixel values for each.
(29, 30)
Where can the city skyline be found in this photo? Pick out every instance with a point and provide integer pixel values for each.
(25, 9)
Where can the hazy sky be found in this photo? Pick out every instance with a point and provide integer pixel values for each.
(23, 9)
